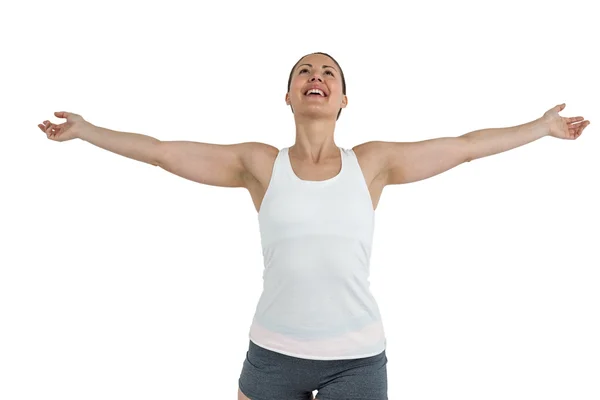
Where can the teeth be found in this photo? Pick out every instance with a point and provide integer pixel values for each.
(315, 91)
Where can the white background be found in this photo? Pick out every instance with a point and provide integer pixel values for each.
(119, 280)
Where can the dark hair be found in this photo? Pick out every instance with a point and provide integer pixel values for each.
(341, 73)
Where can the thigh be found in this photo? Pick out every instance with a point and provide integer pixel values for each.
(358, 379)
(267, 375)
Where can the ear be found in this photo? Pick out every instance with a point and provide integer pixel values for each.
(344, 101)
(287, 101)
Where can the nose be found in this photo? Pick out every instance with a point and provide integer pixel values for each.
(316, 77)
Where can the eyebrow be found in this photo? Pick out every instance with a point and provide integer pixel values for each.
(324, 66)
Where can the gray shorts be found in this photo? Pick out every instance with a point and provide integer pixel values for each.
(268, 375)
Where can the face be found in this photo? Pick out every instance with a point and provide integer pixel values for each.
(320, 71)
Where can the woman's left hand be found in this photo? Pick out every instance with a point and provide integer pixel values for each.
(563, 128)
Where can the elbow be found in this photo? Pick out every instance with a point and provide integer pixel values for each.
(468, 154)
(158, 152)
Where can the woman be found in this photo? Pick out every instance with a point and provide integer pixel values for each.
(316, 327)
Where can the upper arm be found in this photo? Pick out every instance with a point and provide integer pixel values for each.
(207, 163)
(413, 161)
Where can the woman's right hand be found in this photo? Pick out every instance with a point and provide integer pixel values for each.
(73, 128)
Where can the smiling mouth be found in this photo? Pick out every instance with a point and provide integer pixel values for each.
(316, 95)
(315, 92)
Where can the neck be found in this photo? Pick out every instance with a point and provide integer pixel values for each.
(314, 140)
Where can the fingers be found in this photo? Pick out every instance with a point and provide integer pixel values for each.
(558, 108)
(48, 128)
(44, 126)
(583, 126)
(574, 119)
(578, 129)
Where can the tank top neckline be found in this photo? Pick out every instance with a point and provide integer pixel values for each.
(298, 179)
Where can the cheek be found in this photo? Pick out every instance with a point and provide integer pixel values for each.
(296, 91)
(297, 85)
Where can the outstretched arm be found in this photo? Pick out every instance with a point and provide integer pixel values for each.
(407, 162)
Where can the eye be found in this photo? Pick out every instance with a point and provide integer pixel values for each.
(305, 69)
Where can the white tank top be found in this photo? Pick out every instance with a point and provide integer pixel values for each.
(316, 240)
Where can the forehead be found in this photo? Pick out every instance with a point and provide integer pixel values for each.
(318, 61)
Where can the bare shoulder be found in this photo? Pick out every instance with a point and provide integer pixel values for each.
(372, 157)
(258, 159)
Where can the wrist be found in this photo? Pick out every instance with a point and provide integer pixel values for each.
(86, 130)
(542, 126)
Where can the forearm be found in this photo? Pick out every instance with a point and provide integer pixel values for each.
(486, 142)
(131, 145)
